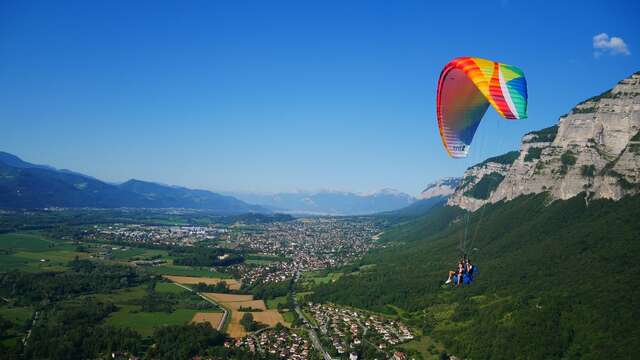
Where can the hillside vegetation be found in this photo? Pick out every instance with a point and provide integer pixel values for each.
(556, 281)
(29, 186)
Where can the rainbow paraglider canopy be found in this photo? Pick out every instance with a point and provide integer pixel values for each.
(466, 87)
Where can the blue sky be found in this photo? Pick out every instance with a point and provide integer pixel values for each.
(277, 96)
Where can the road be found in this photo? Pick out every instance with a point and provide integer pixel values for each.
(312, 333)
(224, 316)
(33, 324)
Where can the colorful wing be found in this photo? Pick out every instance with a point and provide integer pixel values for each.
(466, 87)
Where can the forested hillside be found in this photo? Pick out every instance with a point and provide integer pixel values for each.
(556, 281)
(28, 186)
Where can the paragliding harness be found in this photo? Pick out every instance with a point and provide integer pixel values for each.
(467, 275)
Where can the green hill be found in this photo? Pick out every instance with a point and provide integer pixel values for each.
(556, 281)
(28, 186)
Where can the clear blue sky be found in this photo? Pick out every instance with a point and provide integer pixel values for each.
(276, 96)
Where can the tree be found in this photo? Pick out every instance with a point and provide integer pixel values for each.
(247, 322)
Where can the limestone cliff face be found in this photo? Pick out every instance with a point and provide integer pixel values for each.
(595, 149)
(441, 188)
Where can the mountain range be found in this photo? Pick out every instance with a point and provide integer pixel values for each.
(26, 185)
(330, 202)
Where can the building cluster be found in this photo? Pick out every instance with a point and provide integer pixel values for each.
(301, 245)
(136, 234)
(269, 273)
(308, 244)
(346, 329)
(279, 342)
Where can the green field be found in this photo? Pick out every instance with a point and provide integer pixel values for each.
(32, 251)
(289, 316)
(363, 268)
(169, 287)
(146, 322)
(169, 269)
(17, 314)
(273, 303)
(11, 262)
(47, 260)
(259, 261)
(300, 296)
(25, 241)
(425, 346)
(129, 315)
(131, 253)
(262, 259)
(314, 278)
(122, 296)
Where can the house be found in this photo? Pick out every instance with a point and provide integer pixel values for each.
(399, 356)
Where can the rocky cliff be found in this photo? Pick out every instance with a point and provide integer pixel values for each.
(594, 149)
(442, 187)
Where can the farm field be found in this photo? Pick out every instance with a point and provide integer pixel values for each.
(224, 298)
(192, 280)
(212, 318)
(254, 304)
(25, 241)
(31, 251)
(178, 270)
(146, 322)
(234, 329)
(234, 302)
(130, 314)
(132, 253)
(268, 317)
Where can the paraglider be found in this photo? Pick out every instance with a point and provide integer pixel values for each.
(466, 87)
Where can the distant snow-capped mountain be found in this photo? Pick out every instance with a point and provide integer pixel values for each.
(330, 202)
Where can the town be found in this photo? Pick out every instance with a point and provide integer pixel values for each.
(290, 246)
(278, 341)
(306, 244)
(347, 330)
